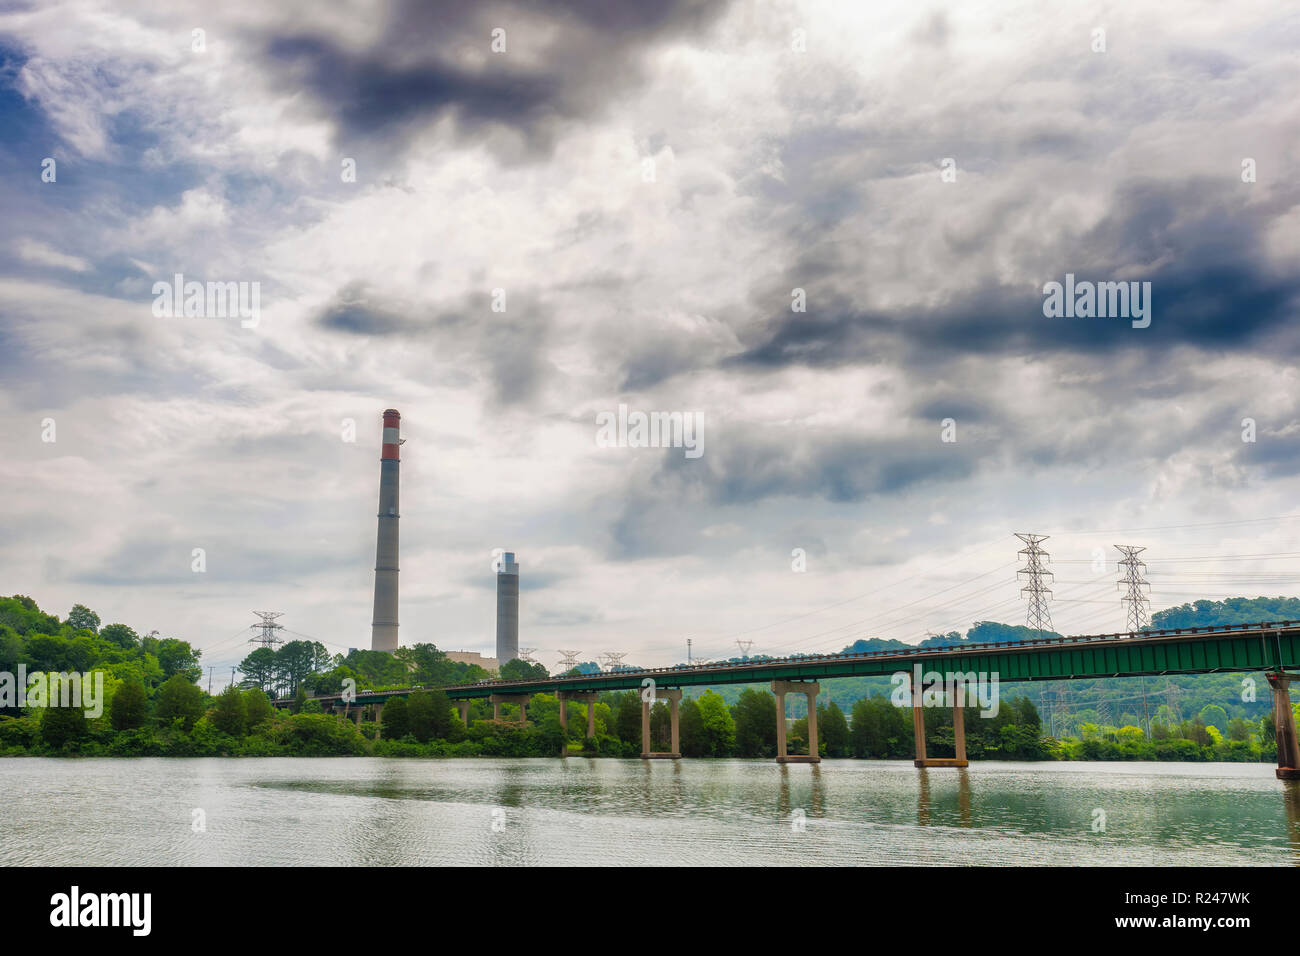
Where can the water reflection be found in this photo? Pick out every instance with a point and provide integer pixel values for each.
(336, 812)
(1291, 799)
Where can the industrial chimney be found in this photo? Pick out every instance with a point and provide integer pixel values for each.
(383, 629)
(507, 609)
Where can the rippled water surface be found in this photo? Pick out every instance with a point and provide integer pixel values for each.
(333, 812)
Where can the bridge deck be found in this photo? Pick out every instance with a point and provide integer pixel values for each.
(1238, 647)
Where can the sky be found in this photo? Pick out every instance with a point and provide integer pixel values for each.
(821, 230)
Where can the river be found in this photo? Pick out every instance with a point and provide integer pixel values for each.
(485, 812)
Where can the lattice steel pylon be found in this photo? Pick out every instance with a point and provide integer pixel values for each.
(568, 660)
(526, 655)
(1037, 577)
(269, 627)
(744, 647)
(612, 659)
(1137, 604)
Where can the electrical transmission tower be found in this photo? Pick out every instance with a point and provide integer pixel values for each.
(1137, 603)
(1103, 713)
(612, 660)
(1171, 699)
(568, 660)
(269, 627)
(1036, 578)
(526, 655)
(744, 647)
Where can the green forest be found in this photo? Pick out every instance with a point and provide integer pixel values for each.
(154, 705)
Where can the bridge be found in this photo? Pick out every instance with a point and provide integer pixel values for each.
(1272, 647)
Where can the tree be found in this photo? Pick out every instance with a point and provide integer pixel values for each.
(258, 669)
(394, 724)
(691, 726)
(230, 715)
(179, 698)
(832, 731)
(61, 725)
(1212, 715)
(428, 715)
(718, 729)
(257, 708)
(130, 707)
(879, 729)
(755, 717)
(298, 660)
(627, 718)
(121, 635)
(178, 658)
(82, 618)
(522, 670)
(1238, 729)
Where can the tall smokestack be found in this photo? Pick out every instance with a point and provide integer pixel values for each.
(507, 609)
(383, 629)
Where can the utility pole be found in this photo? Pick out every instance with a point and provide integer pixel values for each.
(1036, 578)
(1137, 603)
(688, 650)
(210, 670)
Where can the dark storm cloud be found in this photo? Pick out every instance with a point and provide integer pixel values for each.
(664, 512)
(355, 311)
(838, 467)
(1214, 292)
(509, 348)
(415, 73)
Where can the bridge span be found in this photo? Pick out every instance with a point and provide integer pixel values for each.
(1272, 647)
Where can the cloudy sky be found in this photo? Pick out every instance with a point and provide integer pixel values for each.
(648, 183)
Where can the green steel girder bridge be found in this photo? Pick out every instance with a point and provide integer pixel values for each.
(1273, 647)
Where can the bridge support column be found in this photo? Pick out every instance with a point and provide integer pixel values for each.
(463, 707)
(379, 718)
(809, 689)
(1288, 751)
(520, 699)
(954, 698)
(674, 698)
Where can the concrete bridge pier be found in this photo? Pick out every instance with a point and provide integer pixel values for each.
(1288, 751)
(958, 731)
(674, 698)
(463, 707)
(521, 699)
(378, 711)
(809, 689)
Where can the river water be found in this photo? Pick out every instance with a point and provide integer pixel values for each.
(359, 811)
